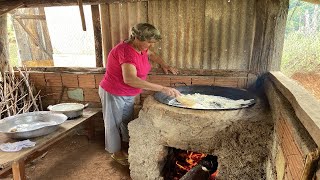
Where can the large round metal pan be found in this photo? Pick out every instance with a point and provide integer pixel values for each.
(31, 124)
(227, 92)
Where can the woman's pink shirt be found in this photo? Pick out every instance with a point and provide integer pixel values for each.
(112, 81)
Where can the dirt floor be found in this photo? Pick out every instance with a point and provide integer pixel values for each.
(311, 81)
(75, 158)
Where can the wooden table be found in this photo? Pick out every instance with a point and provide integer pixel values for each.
(16, 160)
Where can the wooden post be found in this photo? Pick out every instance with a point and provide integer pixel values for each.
(18, 170)
(270, 26)
(83, 21)
(4, 50)
(97, 35)
(105, 30)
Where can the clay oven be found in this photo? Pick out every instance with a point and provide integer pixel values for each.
(241, 139)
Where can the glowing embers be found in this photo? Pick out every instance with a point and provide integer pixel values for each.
(188, 165)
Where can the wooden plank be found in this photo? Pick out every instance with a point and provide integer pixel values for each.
(306, 106)
(30, 16)
(45, 33)
(97, 34)
(8, 158)
(157, 71)
(33, 38)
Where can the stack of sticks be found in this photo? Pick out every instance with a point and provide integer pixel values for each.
(17, 94)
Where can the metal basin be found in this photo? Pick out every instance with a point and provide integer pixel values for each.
(31, 124)
(71, 110)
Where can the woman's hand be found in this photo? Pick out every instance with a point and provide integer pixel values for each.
(171, 91)
(167, 68)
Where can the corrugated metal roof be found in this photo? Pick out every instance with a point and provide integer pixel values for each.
(123, 16)
(202, 34)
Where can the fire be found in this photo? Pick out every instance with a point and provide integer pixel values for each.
(191, 159)
(180, 162)
(213, 175)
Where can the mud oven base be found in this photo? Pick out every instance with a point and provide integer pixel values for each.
(240, 138)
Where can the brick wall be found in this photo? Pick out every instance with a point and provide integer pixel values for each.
(292, 141)
(58, 87)
(293, 156)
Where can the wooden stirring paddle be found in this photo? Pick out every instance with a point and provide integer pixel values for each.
(188, 102)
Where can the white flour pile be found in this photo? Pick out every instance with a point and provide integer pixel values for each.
(31, 126)
(201, 101)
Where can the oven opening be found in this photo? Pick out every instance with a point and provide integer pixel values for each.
(187, 165)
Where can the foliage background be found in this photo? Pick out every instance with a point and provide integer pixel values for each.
(301, 51)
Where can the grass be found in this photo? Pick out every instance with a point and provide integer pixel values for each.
(301, 53)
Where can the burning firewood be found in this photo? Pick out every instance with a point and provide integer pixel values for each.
(206, 169)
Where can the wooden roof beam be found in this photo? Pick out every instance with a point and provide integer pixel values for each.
(6, 9)
(48, 3)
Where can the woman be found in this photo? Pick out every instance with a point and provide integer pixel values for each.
(125, 77)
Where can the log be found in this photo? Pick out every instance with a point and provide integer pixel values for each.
(196, 172)
(203, 169)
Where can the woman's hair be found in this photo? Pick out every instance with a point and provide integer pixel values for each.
(145, 31)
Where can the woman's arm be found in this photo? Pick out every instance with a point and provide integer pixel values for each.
(129, 73)
(157, 59)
